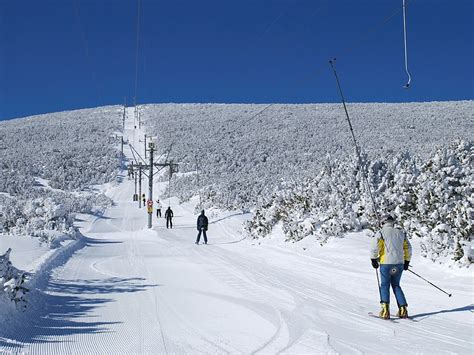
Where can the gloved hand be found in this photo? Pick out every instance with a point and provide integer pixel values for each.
(406, 264)
(375, 263)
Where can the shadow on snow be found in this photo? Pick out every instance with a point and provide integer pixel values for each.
(59, 313)
(469, 308)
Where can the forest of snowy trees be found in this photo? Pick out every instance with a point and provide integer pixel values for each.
(48, 164)
(295, 164)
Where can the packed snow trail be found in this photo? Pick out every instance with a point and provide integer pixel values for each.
(134, 290)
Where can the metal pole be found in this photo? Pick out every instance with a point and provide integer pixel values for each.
(145, 146)
(432, 284)
(135, 176)
(359, 160)
(122, 148)
(123, 116)
(139, 185)
(378, 284)
(150, 185)
(169, 183)
(198, 182)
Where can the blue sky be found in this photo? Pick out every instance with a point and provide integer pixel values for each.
(69, 54)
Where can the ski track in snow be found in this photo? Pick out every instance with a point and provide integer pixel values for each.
(126, 289)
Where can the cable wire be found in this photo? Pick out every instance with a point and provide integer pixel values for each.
(359, 159)
(86, 49)
(407, 85)
(137, 49)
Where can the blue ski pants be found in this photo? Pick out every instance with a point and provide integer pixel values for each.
(390, 275)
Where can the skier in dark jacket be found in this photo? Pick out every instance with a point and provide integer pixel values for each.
(169, 218)
(202, 223)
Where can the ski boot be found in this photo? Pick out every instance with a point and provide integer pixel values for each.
(385, 311)
(402, 312)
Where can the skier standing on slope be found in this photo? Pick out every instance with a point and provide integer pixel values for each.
(202, 224)
(169, 217)
(158, 208)
(392, 249)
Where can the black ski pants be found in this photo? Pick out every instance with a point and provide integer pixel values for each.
(158, 212)
(203, 231)
(169, 222)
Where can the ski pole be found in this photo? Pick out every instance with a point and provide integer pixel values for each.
(432, 284)
(378, 284)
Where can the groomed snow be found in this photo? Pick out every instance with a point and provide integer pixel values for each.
(126, 289)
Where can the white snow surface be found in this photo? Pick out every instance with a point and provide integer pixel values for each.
(121, 288)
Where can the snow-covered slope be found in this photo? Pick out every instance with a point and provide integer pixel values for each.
(248, 156)
(48, 166)
(46, 160)
(296, 164)
(130, 290)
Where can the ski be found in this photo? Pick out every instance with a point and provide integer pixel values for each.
(402, 319)
(376, 316)
(393, 317)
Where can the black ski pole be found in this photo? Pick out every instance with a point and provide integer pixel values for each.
(432, 284)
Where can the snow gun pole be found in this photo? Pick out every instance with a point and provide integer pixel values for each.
(432, 284)
(359, 160)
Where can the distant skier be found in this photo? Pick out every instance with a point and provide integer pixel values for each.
(144, 199)
(202, 224)
(169, 218)
(392, 248)
(158, 208)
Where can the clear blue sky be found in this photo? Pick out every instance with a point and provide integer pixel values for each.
(68, 54)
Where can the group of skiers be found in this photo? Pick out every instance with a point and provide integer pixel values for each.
(202, 221)
(168, 214)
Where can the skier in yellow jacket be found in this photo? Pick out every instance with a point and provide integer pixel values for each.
(392, 249)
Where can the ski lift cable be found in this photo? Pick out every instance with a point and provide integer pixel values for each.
(133, 154)
(85, 45)
(354, 44)
(348, 50)
(407, 85)
(134, 150)
(241, 123)
(137, 48)
(359, 159)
